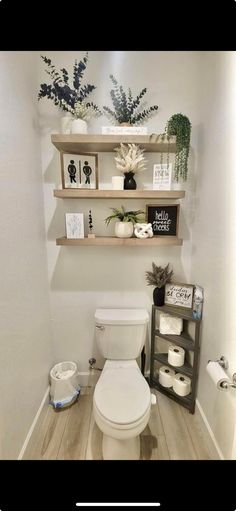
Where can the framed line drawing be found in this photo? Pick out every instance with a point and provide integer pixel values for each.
(164, 219)
(79, 170)
(179, 295)
(74, 225)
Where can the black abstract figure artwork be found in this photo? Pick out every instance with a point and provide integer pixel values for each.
(90, 222)
(87, 171)
(72, 171)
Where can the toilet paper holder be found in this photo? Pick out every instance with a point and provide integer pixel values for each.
(225, 384)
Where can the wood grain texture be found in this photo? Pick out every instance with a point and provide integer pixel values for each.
(73, 193)
(74, 440)
(201, 440)
(113, 241)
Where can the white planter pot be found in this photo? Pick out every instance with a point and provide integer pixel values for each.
(66, 121)
(79, 126)
(124, 229)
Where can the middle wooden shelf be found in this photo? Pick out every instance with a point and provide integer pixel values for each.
(74, 193)
(113, 241)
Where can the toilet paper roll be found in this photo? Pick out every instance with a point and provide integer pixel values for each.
(217, 374)
(182, 384)
(166, 376)
(176, 356)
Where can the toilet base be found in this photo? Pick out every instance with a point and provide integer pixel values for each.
(114, 449)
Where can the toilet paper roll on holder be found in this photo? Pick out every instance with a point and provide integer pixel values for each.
(225, 384)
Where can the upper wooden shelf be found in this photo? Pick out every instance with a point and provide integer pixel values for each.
(107, 143)
(73, 193)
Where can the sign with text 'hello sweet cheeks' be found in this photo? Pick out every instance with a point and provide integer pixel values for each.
(164, 219)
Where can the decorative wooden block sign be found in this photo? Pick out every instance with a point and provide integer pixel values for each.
(179, 295)
(164, 219)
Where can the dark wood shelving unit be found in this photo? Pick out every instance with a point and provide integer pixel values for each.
(188, 342)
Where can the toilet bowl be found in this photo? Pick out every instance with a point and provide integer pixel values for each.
(122, 397)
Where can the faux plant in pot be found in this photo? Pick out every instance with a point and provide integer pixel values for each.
(180, 126)
(128, 110)
(159, 277)
(71, 100)
(124, 227)
(130, 160)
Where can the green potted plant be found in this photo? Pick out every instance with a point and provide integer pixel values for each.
(71, 100)
(124, 227)
(180, 126)
(128, 110)
(129, 161)
(159, 277)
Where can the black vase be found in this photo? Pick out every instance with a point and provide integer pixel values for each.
(159, 296)
(129, 181)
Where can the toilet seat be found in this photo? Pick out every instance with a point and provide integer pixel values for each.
(122, 396)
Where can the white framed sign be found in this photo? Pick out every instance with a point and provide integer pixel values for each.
(179, 295)
(74, 225)
(162, 176)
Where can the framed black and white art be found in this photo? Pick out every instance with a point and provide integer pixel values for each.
(74, 225)
(79, 170)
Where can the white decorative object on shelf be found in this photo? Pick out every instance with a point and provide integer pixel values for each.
(117, 182)
(169, 325)
(124, 130)
(124, 229)
(182, 384)
(79, 126)
(66, 121)
(143, 230)
(176, 356)
(74, 225)
(162, 176)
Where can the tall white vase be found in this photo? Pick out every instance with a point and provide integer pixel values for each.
(79, 126)
(124, 229)
(66, 121)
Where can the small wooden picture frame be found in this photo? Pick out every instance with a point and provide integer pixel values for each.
(164, 219)
(179, 295)
(79, 170)
(74, 225)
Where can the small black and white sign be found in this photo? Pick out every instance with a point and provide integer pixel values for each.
(179, 295)
(74, 225)
(162, 176)
(164, 219)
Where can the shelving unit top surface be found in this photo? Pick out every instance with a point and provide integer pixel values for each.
(114, 241)
(107, 143)
(73, 193)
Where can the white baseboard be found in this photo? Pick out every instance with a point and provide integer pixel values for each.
(84, 378)
(45, 397)
(209, 430)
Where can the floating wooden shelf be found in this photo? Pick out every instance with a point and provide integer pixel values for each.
(113, 241)
(73, 193)
(107, 143)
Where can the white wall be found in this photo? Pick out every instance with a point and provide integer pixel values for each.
(214, 237)
(25, 344)
(84, 278)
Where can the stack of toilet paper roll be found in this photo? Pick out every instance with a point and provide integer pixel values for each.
(168, 378)
(176, 356)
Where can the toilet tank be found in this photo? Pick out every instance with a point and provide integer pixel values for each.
(121, 333)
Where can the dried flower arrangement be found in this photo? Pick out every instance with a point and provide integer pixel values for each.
(159, 276)
(130, 158)
(127, 109)
(66, 98)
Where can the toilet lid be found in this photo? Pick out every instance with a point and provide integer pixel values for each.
(122, 395)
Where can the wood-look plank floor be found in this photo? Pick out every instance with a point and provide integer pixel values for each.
(72, 434)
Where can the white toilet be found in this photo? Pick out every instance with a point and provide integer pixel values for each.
(122, 397)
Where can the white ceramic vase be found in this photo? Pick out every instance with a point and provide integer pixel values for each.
(66, 121)
(124, 229)
(79, 126)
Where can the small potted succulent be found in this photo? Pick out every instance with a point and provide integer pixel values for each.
(159, 277)
(129, 161)
(72, 100)
(124, 227)
(128, 110)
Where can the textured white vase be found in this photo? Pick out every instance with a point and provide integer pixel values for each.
(66, 121)
(124, 229)
(79, 126)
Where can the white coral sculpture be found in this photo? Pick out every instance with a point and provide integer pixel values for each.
(130, 158)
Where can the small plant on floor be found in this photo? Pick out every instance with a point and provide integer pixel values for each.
(124, 216)
(159, 277)
(180, 126)
(64, 96)
(127, 109)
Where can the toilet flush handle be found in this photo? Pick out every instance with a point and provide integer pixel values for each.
(100, 327)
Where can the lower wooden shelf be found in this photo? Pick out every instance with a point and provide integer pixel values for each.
(113, 241)
(187, 401)
(185, 369)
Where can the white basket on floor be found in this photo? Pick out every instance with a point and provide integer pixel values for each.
(64, 384)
